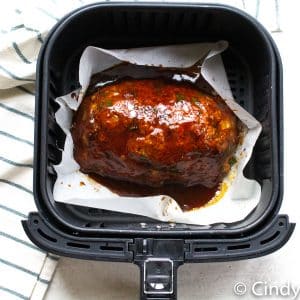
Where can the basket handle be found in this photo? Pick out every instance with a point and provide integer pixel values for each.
(158, 260)
(158, 278)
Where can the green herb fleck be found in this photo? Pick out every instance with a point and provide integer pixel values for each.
(143, 157)
(232, 160)
(133, 127)
(195, 100)
(105, 103)
(179, 97)
(108, 103)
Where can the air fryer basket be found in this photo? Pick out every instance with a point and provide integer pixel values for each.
(254, 69)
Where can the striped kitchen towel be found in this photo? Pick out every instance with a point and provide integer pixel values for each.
(25, 270)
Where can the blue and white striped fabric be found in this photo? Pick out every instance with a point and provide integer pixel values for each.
(25, 270)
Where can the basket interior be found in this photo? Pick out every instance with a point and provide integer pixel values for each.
(248, 62)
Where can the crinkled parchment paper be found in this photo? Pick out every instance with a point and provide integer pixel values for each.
(74, 187)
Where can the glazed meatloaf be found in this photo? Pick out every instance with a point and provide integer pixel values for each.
(155, 132)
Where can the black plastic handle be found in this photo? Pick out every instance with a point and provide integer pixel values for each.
(158, 278)
(158, 260)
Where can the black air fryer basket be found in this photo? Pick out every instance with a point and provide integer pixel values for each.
(254, 70)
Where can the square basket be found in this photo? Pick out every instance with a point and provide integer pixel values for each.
(254, 69)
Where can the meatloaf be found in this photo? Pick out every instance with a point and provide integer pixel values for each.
(155, 132)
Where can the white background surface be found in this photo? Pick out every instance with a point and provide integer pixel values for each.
(76, 279)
